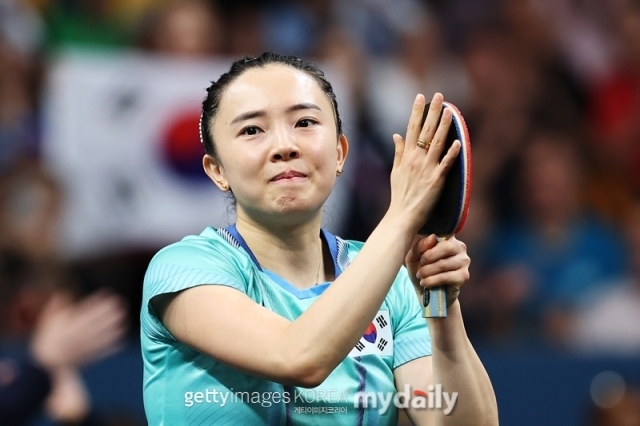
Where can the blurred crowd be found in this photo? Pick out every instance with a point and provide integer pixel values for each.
(550, 90)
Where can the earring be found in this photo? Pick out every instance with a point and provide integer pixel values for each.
(338, 172)
(225, 187)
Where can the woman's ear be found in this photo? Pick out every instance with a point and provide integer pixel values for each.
(215, 171)
(343, 152)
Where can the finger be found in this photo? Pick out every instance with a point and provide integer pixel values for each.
(90, 310)
(430, 125)
(440, 137)
(413, 256)
(111, 320)
(442, 265)
(56, 303)
(97, 338)
(442, 250)
(415, 121)
(100, 298)
(98, 312)
(399, 143)
(427, 243)
(450, 157)
(451, 278)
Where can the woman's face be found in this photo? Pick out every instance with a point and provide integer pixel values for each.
(277, 143)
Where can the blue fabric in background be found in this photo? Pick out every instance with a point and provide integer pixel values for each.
(563, 273)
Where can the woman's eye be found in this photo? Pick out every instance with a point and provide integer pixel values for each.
(306, 122)
(250, 131)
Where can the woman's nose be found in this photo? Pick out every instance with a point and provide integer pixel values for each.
(285, 147)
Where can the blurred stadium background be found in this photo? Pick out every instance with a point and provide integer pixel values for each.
(100, 166)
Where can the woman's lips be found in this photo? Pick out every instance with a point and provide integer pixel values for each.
(288, 175)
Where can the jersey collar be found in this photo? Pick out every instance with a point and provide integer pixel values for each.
(329, 239)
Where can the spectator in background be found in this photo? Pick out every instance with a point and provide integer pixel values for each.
(498, 127)
(21, 39)
(583, 31)
(422, 63)
(375, 25)
(609, 322)
(614, 120)
(21, 26)
(186, 29)
(46, 332)
(295, 28)
(46, 338)
(554, 252)
(19, 125)
(519, 82)
(30, 203)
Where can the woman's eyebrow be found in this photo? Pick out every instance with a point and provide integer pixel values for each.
(261, 113)
(298, 107)
(248, 115)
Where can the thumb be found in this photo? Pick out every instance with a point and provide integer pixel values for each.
(428, 243)
(399, 143)
(413, 256)
(425, 243)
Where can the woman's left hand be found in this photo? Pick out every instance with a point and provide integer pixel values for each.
(434, 264)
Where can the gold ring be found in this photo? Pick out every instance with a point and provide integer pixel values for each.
(422, 144)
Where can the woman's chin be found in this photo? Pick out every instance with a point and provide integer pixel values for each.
(295, 210)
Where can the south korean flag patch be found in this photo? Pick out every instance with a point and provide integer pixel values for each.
(377, 338)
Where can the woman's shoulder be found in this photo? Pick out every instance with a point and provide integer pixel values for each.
(210, 245)
(195, 260)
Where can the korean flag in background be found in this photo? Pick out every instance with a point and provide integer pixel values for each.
(121, 134)
(377, 338)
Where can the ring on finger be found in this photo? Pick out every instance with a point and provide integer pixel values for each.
(422, 144)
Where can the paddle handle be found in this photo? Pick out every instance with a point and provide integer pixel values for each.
(434, 301)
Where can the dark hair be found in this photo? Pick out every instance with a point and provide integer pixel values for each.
(211, 103)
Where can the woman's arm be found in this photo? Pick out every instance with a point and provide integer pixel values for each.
(454, 366)
(466, 394)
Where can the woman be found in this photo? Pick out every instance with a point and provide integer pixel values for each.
(276, 321)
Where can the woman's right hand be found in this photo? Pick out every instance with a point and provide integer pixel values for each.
(418, 176)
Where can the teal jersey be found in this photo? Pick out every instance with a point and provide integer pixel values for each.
(185, 387)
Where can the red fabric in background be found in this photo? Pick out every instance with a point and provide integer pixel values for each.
(615, 120)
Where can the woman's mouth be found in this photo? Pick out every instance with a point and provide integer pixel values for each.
(289, 175)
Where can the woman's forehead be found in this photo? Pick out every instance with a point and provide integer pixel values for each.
(274, 87)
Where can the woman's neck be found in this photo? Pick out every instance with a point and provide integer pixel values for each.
(294, 253)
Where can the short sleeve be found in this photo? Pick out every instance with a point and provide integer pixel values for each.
(411, 338)
(189, 263)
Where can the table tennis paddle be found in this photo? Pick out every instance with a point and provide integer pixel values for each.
(449, 214)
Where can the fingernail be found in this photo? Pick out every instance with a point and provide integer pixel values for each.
(418, 276)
